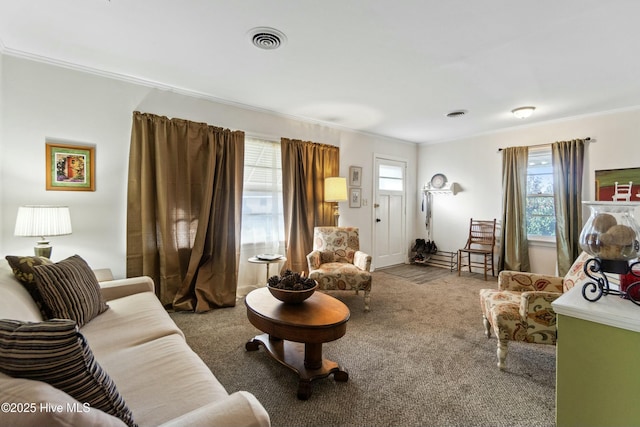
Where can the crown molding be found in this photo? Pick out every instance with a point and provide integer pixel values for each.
(184, 91)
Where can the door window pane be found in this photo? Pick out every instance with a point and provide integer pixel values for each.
(390, 178)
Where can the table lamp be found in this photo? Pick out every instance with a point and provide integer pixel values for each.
(42, 221)
(335, 190)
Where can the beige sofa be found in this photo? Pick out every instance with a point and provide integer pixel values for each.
(162, 381)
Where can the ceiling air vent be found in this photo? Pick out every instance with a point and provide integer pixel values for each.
(458, 113)
(267, 38)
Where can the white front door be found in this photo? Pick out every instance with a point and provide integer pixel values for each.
(389, 212)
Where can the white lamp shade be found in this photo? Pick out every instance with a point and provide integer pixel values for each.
(335, 189)
(41, 221)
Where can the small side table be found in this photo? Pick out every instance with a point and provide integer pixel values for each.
(267, 262)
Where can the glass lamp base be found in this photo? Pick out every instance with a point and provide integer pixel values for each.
(43, 249)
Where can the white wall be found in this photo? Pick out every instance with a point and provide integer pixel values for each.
(476, 165)
(43, 101)
(360, 150)
(2, 178)
(40, 101)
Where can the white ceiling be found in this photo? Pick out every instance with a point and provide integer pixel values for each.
(386, 67)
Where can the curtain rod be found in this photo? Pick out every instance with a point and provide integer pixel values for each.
(549, 143)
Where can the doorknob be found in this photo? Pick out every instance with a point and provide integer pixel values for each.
(377, 219)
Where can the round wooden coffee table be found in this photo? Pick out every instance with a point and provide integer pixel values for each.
(294, 334)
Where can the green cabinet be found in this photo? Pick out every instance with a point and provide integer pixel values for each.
(597, 361)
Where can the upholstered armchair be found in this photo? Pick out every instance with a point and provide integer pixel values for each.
(520, 309)
(337, 263)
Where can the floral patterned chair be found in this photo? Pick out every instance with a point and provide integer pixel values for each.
(520, 309)
(337, 263)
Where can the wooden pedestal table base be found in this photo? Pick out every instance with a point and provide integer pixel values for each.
(294, 334)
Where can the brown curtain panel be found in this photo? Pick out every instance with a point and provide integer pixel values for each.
(514, 247)
(184, 210)
(567, 158)
(305, 165)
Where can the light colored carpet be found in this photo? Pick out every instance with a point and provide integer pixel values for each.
(418, 358)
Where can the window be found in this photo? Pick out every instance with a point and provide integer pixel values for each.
(262, 210)
(390, 178)
(541, 218)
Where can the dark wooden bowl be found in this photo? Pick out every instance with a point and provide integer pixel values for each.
(290, 296)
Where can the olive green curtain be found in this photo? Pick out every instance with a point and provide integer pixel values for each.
(514, 248)
(567, 158)
(305, 165)
(184, 210)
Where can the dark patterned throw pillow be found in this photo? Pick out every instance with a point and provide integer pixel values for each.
(70, 290)
(22, 267)
(55, 352)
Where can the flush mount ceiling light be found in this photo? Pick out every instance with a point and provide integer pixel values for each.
(523, 112)
(458, 113)
(266, 38)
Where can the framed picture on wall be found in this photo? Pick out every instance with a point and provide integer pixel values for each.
(70, 167)
(354, 197)
(355, 176)
(618, 185)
